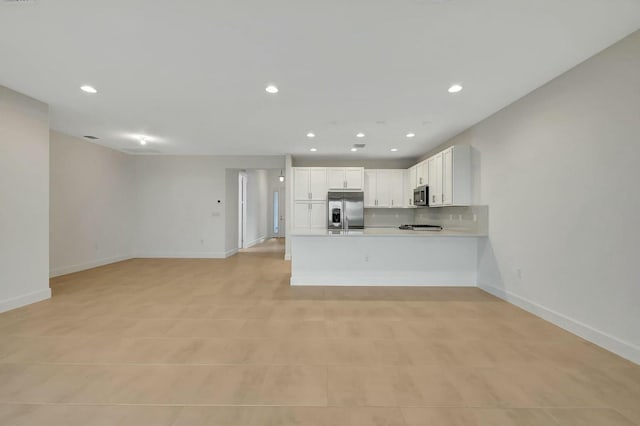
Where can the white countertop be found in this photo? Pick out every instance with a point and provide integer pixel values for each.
(384, 232)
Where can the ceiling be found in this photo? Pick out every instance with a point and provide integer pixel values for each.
(192, 74)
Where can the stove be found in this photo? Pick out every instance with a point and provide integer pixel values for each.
(421, 227)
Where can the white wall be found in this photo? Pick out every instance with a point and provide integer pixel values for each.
(24, 200)
(231, 211)
(560, 170)
(92, 199)
(177, 209)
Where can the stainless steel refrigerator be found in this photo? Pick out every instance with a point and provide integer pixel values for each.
(346, 210)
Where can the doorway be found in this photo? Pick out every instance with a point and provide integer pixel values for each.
(278, 212)
(242, 209)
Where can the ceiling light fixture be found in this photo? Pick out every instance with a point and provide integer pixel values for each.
(143, 141)
(360, 135)
(313, 150)
(455, 88)
(271, 89)
(411, 135)
(88, 89)
(394, 150)
(353, 149)
(281, 177)
(311, 135)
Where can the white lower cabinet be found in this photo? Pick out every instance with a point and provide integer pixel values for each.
(310, 215)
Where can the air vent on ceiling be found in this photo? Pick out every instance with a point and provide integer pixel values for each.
(359, 145)
(93, 138)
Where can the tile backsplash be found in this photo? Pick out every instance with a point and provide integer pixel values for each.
(470, 218)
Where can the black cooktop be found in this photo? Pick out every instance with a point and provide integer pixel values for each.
(422, 227)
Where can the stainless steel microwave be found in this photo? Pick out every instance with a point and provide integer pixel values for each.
(421, 196)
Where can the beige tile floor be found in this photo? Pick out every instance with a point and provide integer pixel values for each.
(228, 342)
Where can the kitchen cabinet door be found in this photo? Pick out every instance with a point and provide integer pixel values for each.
(301, 215)
(370, 187)
(383, 188)
(354, 178)
(301, 183)
(410, 185)
(435, 180)
(397, 188)
(318, 183)
(318, 215)
(447, 177)
(336, 178)
(422, 173)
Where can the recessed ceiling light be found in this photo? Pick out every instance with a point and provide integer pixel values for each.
(143, 141)
(313, 150)
(455, 88)
(360, 135)
(271, 89)
(311, 135)
(353, 149)
(394, 149)
(411, 135)
(88, 89)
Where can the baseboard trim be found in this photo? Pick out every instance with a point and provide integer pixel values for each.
(595, 336)
(255, 242)
(64, 270)
(230, 253)
(381, 281)
(184, 255)
(25, 299)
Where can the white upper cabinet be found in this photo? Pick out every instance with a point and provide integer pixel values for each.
(422, 173)
(310, 183)
(370, 188)
(410, 185)
(301, 183)
(354, 177)
(450, 177)
(447, 177)
(384, 189)
(435, 180)
(397, 188)
(349, 178)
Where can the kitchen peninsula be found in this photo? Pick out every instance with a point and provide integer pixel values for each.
(385, 257)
